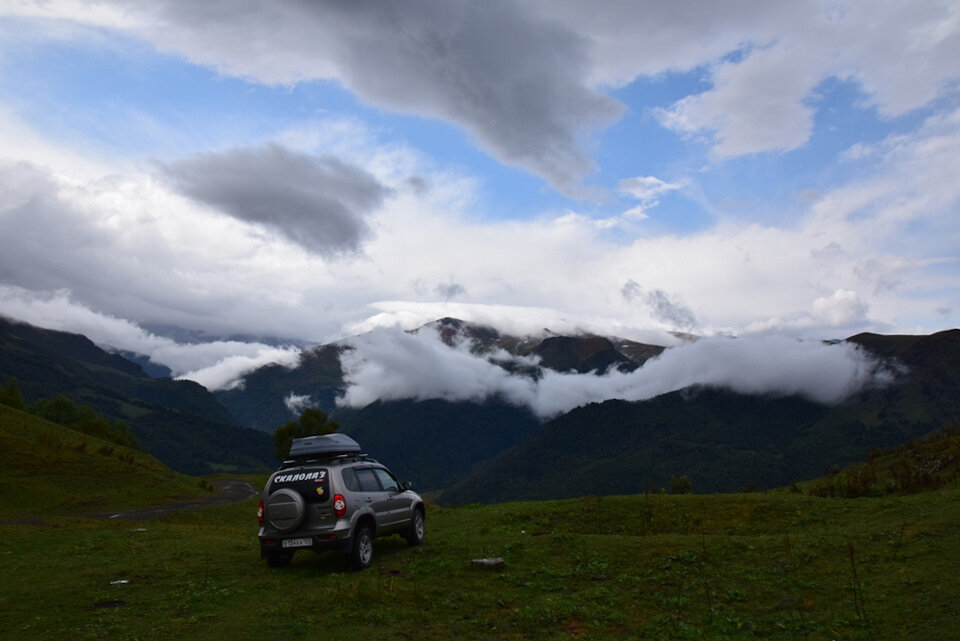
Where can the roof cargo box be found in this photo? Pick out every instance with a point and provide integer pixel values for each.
(323, 446)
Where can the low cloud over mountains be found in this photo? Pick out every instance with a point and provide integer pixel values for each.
(389, 364)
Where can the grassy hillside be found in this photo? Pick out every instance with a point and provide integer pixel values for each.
(918, 466)
(47, 468)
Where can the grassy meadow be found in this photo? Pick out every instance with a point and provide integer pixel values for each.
(655, 567)
(734, 566)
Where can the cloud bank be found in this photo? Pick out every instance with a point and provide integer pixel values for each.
(389, 364)
(875, 250)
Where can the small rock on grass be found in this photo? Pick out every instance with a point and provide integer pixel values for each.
(494, 563)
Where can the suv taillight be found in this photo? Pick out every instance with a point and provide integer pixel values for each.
(339, 505)
(260, 513)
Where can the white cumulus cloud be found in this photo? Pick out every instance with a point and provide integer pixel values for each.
(390, 364)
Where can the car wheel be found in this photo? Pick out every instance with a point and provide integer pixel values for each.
(361, 551)
(279, 559)
(415, 529)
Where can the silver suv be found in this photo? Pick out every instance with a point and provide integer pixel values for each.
(330, 496)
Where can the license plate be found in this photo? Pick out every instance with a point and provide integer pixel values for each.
(298, 543)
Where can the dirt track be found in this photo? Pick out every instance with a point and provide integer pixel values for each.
(228, 491)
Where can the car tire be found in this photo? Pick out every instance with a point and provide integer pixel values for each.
(279, 559)
(361, 548)
(415, 529)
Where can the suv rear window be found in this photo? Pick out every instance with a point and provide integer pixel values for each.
(312, 484)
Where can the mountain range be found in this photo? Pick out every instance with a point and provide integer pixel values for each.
(492, 450)
(723, 441)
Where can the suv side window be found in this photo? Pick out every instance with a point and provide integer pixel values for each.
(368, 482)
(386, 480)
(350, 480)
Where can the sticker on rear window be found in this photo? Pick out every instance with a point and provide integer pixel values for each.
(312, 485)
(318, 475)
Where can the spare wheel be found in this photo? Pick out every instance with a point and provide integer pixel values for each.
(284, 510)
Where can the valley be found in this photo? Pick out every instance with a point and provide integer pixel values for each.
(796, 563)
(491, 449)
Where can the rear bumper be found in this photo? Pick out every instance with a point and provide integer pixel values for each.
(271, 544)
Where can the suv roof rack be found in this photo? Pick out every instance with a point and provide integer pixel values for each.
(337, 459)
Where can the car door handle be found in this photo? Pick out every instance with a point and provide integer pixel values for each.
(368, 499)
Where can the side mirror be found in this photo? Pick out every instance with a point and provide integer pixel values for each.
(406, 485)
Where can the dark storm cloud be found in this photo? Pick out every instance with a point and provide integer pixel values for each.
(517, 83)
(513, 83)
(317, 202)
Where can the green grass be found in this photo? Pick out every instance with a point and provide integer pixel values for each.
(646, 567)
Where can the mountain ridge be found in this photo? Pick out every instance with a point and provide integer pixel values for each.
(721, 440)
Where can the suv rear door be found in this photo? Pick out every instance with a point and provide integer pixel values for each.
(313, 485)
(374, 496)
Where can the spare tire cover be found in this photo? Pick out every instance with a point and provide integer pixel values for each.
(284, 510)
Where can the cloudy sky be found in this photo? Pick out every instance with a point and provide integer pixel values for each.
(251, 173)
